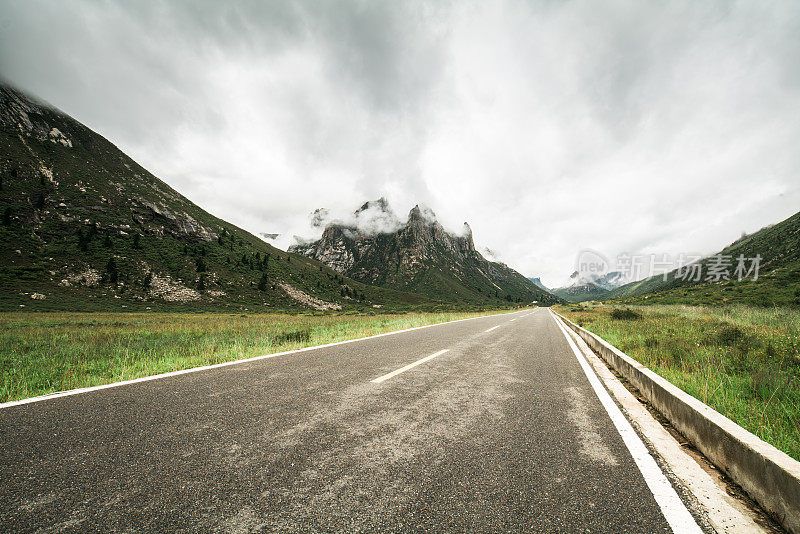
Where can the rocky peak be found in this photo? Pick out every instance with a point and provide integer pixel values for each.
(421, 231)
(423, 214)
(467, 244)
(466, 239)
(381, 204)
(320, 217)
(344, 243)
(415, 214)
(375, 217)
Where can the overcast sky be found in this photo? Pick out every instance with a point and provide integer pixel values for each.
(549, 126)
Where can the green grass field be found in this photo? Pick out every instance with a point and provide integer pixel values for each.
(46, 352)
(742, 361)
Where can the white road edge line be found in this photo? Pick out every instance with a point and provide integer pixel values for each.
(78, 391)
(492, 328)
(403, 369)
(675, 512)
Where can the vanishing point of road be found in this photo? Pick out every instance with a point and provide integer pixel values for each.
(488, 424)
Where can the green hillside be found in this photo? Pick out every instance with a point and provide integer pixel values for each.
(84, 227)
(778, 282)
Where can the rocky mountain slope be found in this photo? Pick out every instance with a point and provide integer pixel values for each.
(84, 227)
(778, 282)
(418, 256)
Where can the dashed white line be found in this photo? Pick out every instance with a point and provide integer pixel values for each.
(79, 391)
(675, 512)
(407, 367)
(492, 328)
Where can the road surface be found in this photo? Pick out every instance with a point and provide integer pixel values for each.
(489, 424)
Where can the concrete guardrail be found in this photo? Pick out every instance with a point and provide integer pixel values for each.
(769, 476)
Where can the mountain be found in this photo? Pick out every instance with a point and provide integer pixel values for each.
(538, 282)
(581, 292)
(778, 282)
(85, 227)
(589, 286)
(610, 280)
(417, 256)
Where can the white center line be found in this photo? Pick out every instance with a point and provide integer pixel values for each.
(492, 328)
(407, 367)
(292, 352)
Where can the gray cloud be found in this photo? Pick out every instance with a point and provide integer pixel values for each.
(549, 126)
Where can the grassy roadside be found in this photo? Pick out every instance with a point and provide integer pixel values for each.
(744, 362)
(45, 352)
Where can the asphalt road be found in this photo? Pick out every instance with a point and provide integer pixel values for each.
(502, 432)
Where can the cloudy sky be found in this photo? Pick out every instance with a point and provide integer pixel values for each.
(620, 126)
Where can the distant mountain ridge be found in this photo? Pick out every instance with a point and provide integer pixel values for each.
(417, 256)
(538, 282)
(589, 286)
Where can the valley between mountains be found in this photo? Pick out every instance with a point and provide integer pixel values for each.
(87, 228)
(299, 373)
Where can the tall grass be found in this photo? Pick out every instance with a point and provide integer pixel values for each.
(742, 361)
(43, 353)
